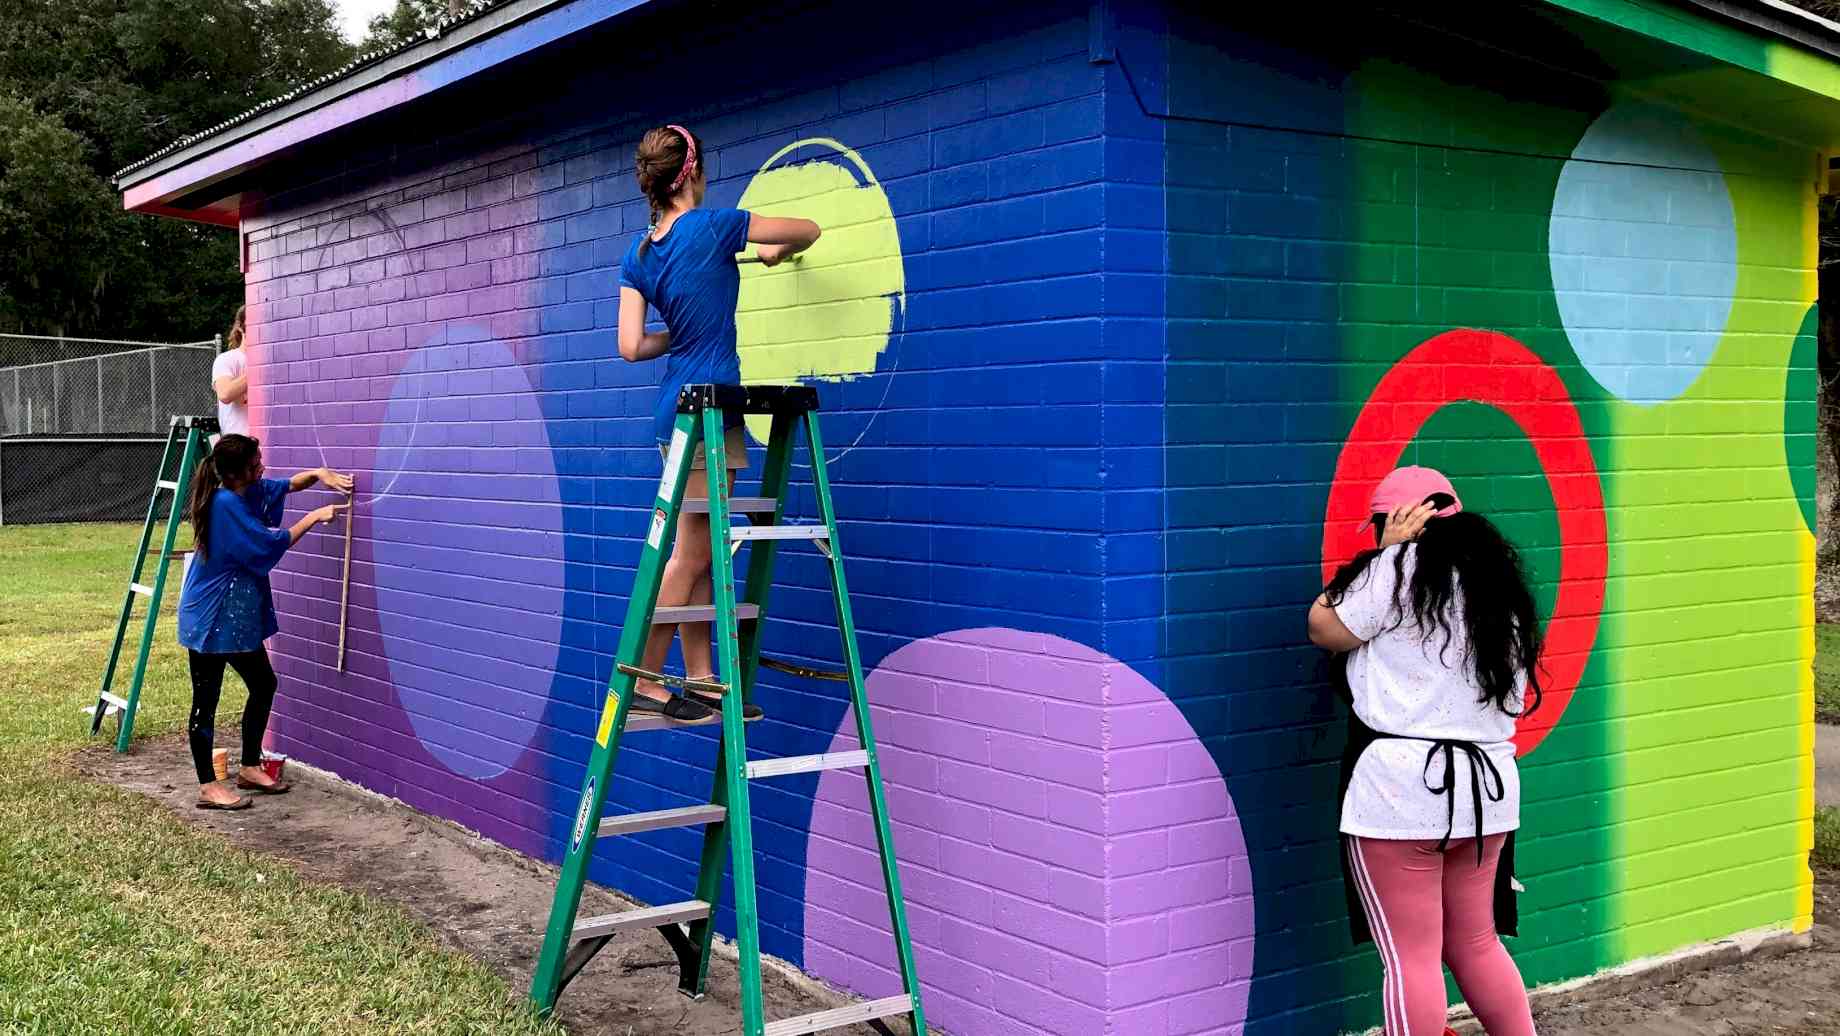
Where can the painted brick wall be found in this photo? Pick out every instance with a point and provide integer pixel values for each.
(1132, 305)
(1383, 248)
(445, 327)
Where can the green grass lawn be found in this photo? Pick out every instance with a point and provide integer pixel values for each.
(1827, 673)
(117, 917)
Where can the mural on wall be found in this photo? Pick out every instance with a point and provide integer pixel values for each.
(829, 316)
(1594, 314)
(1053, 887)
(1588, 316)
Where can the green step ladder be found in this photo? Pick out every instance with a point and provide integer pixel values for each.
(187, 442)
(569, 944)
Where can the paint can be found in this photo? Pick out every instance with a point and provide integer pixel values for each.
(220, 762)
(273, 763)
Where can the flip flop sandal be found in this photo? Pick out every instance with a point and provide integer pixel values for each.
(242, 802)
(277, 788)
(713, 702)
(675, 709)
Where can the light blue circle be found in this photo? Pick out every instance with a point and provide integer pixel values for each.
(1643, 247)
(468, 546)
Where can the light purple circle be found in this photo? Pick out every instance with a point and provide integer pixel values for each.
(466, 516)
(1069, 854)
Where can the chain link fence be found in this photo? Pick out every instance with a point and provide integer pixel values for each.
(94, 386)
(83, 422)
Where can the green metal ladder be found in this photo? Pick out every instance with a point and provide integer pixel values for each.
(187, 441)
(568, 944)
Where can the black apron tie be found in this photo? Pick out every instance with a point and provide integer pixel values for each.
(1484, 778)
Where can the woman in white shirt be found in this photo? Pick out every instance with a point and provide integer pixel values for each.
(230, 382)
(1440, 640)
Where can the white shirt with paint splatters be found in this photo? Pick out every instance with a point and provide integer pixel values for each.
(1406, 681)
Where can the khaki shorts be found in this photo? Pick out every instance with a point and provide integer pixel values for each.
(734, 446)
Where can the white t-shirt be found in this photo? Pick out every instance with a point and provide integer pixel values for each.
(1410, 683)
(231, 417)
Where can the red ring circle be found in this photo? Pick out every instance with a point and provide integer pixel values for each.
(1495, 370)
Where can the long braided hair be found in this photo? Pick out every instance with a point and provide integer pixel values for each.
(663, 166)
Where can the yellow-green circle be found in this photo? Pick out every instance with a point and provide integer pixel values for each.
(829, 316)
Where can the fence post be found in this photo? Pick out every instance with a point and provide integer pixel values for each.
(99, 394)
(153, 387)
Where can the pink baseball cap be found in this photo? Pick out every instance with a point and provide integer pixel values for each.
(1412, 485)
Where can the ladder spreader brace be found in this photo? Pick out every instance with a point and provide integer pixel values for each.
(569, 944)
(187, 440)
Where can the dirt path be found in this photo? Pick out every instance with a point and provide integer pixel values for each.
(1791, 993)
(492, 903)
(1827, 764)
(483, 900)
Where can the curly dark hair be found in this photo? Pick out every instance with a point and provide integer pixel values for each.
(1466, 553)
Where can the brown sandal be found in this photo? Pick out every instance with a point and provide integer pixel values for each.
(277, 788)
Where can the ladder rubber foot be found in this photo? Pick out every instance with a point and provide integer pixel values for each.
(779, 532)
(736, 505)
(837, 1018)
(700, 613)
(806, 764)
(683, 816)
(144, 591)
(648, 917)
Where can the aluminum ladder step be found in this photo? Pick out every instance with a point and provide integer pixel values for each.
(736, 505)
(700, 613)
(838, 1017)
(682, 816)
(166, 484)
(806, 764)
(144, 591)
(743, 533)
(647, 917)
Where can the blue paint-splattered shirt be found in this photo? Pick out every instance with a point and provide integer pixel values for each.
(226, 607)
(691, 278)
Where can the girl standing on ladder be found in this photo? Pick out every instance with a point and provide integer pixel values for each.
(226, 609)
(1442, 645)
(684, 266)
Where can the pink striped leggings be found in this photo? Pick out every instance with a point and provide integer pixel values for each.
(1425, 906)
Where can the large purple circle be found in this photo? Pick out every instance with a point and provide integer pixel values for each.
(1070, 857)
(466, 517)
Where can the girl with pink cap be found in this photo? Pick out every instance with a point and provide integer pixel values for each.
(1437, 645)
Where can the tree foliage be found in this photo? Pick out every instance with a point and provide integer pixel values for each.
(408, 20)
(88, 86)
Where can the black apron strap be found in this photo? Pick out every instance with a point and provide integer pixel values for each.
(1485, 779)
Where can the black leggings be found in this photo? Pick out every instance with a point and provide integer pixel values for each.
(207, 684)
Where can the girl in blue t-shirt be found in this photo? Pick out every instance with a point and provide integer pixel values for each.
(226, 610)
(684, 266)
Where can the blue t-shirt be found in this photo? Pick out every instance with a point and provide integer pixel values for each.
(225, 607)
(691, 278)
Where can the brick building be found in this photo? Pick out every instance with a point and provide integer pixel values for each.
(1120, 308)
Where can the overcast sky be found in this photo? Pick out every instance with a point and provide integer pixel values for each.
(354, 15)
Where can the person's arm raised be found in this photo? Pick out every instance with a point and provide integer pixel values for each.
(781, 237)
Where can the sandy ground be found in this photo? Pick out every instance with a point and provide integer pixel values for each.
(479, 898)
(493, 903)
